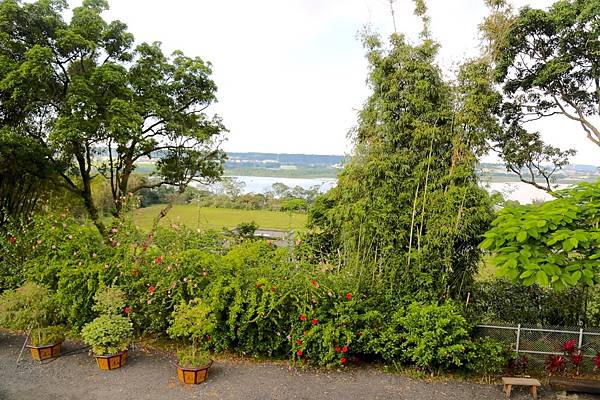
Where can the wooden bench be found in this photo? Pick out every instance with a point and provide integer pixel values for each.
(509, 382)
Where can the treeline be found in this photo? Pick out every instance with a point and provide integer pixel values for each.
(229, 194)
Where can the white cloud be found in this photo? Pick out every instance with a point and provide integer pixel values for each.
(291, 73)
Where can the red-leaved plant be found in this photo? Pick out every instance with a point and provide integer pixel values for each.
(554, 364)
(572, 353)
(596, 361)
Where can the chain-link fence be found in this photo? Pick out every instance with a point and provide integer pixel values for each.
(538, 343)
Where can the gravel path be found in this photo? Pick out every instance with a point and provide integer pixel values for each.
(152, 376)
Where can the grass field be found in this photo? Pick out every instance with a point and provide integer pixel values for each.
(217, 218)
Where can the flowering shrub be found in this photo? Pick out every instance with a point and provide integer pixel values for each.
(257, 300)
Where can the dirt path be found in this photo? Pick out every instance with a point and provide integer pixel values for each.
(152, 376)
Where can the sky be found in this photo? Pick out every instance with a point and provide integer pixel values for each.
(291, 74)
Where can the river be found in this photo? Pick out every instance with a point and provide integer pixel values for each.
(519, 191)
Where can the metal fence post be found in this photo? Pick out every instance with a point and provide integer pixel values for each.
(580, 338)
(518, 338)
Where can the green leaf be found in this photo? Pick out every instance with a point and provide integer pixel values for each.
(526, 274)
(486, 244)
(541, 278)
(521, 236)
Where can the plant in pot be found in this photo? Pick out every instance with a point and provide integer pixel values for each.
(32, 308)
(109, 334)
(192, 322)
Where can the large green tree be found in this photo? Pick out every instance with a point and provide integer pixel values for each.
(99, 104)
(407, 211)
(548, 64)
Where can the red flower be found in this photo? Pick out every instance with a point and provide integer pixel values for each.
(298, 342)
(127, 310)
(299, 353)
(337, 349)
(151, 289)
(158, 260)
(596, 360)
(569, 345)
(348, 295)
(302, 317)
(259, 285)
(359, 334)
(345, 349)
(314, 283)
(314, 322)
(273, 289)
(343, 360)
(12, 240)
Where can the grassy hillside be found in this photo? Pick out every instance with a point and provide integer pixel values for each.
(217, 218)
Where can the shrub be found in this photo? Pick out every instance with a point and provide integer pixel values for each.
(107, 334)
(47, 336)
(487, 356)
(110, 332)
(30, 306)
(193, 359)
(436, 336)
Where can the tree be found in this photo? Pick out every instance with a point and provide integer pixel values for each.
(550, 244)
(548, 64)
(101, 104)
(523, 152)
(407, 211)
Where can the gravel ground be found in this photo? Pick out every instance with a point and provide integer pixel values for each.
(150, 375)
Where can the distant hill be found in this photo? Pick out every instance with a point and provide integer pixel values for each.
(285, 159)
(329, 166)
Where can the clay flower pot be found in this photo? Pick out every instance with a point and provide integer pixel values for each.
(193, 376)
(41, 353)
(108, 363)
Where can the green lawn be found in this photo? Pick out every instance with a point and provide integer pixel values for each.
(217, 218)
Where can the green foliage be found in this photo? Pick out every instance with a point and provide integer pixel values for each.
(47, 336)
(246, 229)
(80, 88)
(436, 336)
(193, 320)
(30, 306)
(502, 301)
(107, 334)
(547, 62)
(407, 211)
(109, 301)
(190, 358)
(551, 244)
(487, 357)
(110, 332)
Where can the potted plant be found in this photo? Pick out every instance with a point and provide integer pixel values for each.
(33, 308)
(109, 334)
(192, 321)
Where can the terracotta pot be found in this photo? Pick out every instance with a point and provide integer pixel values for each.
(108, 363)
(193, 375)
(41, 353)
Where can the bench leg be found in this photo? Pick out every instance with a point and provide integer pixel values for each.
(534, 392)
(507, 389)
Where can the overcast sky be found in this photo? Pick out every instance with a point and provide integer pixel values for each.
(291, 73)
